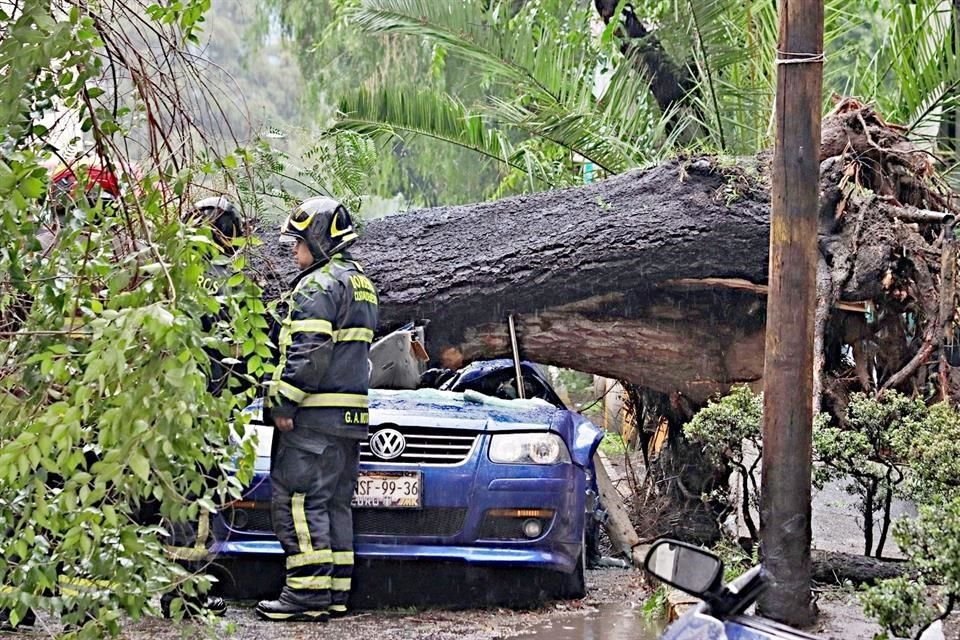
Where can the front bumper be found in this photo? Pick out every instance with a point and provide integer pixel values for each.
(562, 559)
(476, 493)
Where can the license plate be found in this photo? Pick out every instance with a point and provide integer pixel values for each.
(389, 490)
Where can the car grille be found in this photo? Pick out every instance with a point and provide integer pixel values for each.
(249, 519)
(397, 522)
(377, 522)
(425, 445)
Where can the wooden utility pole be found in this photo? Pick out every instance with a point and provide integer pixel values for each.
(788, 361)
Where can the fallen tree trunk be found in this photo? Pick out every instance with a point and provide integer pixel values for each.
(582, 271)
(657, 277)
(834, 567)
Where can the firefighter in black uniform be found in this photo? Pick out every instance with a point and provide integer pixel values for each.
(224, 221)
(187, 543)
(318, 403)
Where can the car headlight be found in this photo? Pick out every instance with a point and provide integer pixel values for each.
(528, 448)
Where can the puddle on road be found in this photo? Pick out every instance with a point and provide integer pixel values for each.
(607, 622)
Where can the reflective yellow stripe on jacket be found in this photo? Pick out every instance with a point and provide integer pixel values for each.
(356, 334)
(302, 326)
(311, 326)
(322, 400)
(290, 327)
(288, 390)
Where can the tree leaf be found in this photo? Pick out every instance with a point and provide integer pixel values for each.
(140, 465)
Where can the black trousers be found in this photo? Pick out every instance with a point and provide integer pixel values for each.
(313, 519)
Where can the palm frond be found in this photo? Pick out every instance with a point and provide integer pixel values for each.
(388, 112)
(729, 47)
(469, 33)
(547, 72)
(913, 76)
(705, 21)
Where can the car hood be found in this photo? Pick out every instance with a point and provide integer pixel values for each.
(470, 411)
(486, 412)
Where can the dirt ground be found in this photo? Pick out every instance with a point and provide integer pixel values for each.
(617, 587)
(622, 591)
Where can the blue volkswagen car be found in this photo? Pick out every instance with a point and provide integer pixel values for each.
(450, 480)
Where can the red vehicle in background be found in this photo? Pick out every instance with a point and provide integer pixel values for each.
(65, 183)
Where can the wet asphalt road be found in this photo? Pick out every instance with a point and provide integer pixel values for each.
(611, 611)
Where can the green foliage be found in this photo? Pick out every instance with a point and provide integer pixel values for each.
(867, 453)
(31, 39)
(271, 181)
(336, 58)
(906, 606)
(613, 444)
(655, 606)
(440, 74)
(912, 73)
(544, 47)
(720, 429)
(415, 111)
(105, 330)
(447, 73)
(105, 406)
(727, 47)
(578, 385)
(895, 55)
(933, 450)
(735, 560)
(898, 605)
(722, 426)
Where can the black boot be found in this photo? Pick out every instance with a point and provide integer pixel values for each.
(339, 611)
(26, 621)
(280, 611)
(192, 605)
(216, 605)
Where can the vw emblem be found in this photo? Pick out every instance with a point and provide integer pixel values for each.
(387, 444)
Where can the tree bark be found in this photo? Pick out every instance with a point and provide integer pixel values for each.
(833, 567)
(669, 82)
(658, 277)
(585, 272)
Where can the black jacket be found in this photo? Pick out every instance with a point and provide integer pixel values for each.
(215, 282)
(323, 375)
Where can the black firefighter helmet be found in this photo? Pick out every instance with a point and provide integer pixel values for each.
(323, 224)
(223, 217)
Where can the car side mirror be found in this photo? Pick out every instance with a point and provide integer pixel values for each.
(684, 566)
